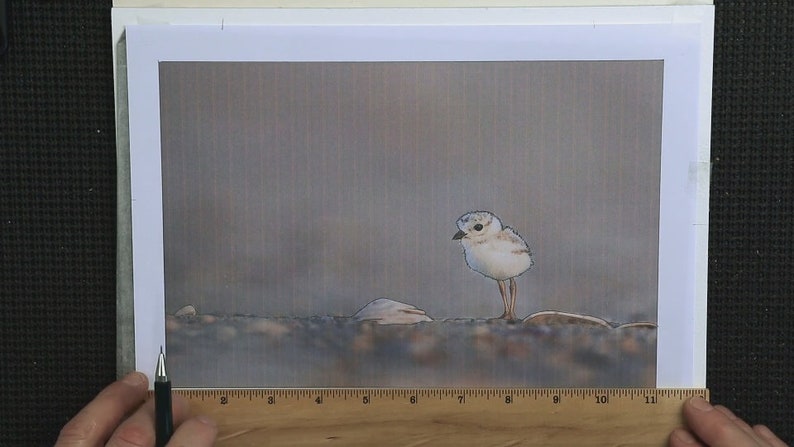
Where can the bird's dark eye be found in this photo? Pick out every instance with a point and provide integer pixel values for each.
(478, 227)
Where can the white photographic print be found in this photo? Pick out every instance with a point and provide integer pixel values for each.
(471, 198)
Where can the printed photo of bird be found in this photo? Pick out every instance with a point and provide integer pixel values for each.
(495, 251)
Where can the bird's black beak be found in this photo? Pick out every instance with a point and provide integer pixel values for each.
(459, 235)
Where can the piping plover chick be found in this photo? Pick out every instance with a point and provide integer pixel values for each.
(495, 251)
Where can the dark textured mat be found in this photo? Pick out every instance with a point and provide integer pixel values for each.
(57, 215)
(751, 253)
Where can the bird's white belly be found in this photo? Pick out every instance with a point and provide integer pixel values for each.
(497, 264)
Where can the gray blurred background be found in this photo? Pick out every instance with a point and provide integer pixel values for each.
(300, 189)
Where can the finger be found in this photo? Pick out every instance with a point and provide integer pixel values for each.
(139, 428)
(682, 438)
(714, 428)
(199, 431)
(764, 432)
(95, 423)
(740, 423)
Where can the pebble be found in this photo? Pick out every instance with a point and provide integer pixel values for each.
(268, 328)
(424, 348)
(172, 324)
(226, 333)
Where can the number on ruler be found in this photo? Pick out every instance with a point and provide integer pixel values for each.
(602, 398)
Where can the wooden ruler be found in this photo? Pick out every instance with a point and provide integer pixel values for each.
(442, 416)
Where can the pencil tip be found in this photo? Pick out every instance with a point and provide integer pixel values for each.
(160, 374)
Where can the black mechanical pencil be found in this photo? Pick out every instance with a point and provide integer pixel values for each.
(164, 421)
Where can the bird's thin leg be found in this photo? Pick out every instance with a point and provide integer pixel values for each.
(503, 292)
(513, 298)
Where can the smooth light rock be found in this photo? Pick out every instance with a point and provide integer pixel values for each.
(638, 324)
(386, 311)
(556, 317)
(186, 311)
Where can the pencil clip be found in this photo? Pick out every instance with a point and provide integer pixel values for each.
(4, 19)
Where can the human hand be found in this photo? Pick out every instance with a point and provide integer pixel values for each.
(717, 426)
(118, 416)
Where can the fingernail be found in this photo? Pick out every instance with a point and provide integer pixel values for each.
(700, 404)
(764, 431)
(206, 420)
(684, 436)
(134, 378)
